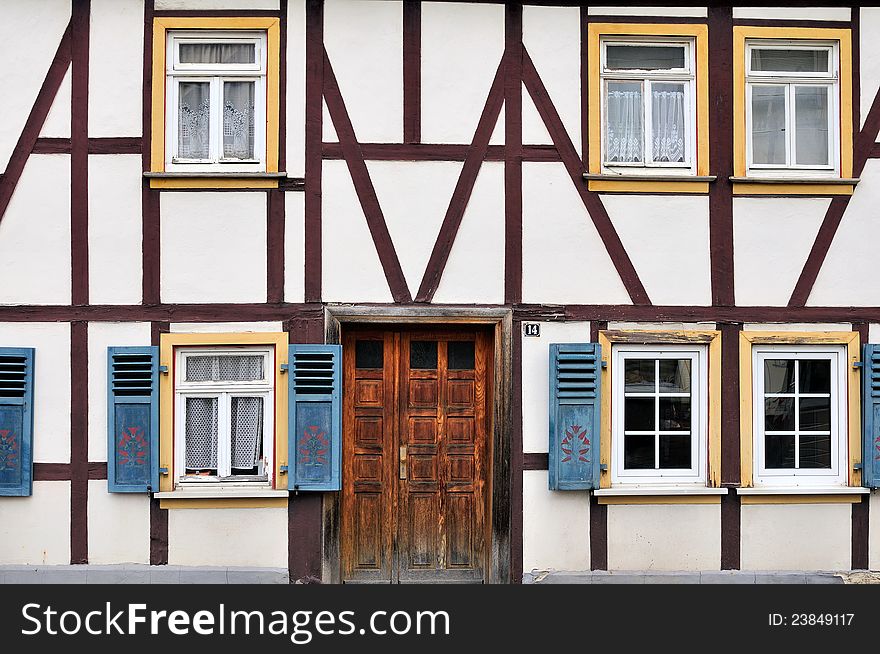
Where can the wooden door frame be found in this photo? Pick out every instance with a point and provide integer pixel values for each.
(501, 320)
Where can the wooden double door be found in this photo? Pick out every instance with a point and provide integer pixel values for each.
(415, 455)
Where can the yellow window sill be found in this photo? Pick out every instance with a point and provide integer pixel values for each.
(220, 498)
(213, 180)
(802, 495)
(655, 183)
(793, 186)
(660, 495)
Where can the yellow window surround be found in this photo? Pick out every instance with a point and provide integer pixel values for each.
(746, 340)
(712, 338)
(167, 347)
(633, 183)
(833, 186)
(161, 25)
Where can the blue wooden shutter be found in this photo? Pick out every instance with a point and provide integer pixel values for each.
(871, 416)
(133, 419)
(574, 415)
(16, 421)
(315, 416)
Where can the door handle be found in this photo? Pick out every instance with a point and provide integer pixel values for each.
(403, 461)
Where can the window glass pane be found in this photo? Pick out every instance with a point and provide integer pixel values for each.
(193, 124)
(675, 375)
(638, 414)
(811, 117)
(814, 376)
(238, 120)
(217, 53)
(201, 435)
(675, 451)
(369, 354)
(779, 376)
(789, 61)
(644, 57)
(668, 122)
(815, 413)
(638, 452)
(423, 355)
(779, 413)
(768, 124)
(625, 135)
(639, 376)
(224, 368)
(247, 434)
(460, 355)
(815, 452)
(779, 451)
(675, 413)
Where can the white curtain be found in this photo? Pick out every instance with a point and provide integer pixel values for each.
(625, 136)
(217, 53)
(201, 433)
(668, 122)
(194, 117)
(247, 431)
(238, 120)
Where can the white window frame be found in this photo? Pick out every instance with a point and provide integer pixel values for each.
(776, 477)
(697, 475)
(791, 81)
(224, 391)
(686, 75)
(215, 75)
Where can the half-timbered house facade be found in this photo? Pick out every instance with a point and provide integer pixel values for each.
(416, 290)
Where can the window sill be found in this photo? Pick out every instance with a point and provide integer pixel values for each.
(660, 495)
(648, 183)
(223, 498)
(802, 494)
(794, 185)
(213, 180)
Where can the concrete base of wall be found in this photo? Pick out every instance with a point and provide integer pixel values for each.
(709, 577)
(139, 574)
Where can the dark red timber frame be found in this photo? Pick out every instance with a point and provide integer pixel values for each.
(305, 321)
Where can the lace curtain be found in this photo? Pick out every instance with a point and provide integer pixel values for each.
(246, 426)
(667, 124)
(238, 120)
(626, 133)
(193, 130)
(247, 431)
(201, 433)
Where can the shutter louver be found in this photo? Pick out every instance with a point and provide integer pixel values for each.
(871, 416)
(133, 419)
(315, 415)
(575, 384)
(16, 421)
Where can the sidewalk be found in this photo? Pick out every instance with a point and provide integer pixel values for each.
(138, 574)
(709, 577)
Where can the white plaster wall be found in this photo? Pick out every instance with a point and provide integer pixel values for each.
(869, 57)
(798, 327)
(296, 88)
(35, 234)
(228, 537)
(536, 378)
(119, 526)
(364, 41)
(35, 530)
(225, 327)
(564, 260)
(294, 247)
(51, 340)
(217, 4)
(874, 531)
(664, 537)
(101, 336)
(115, 229)
(667, 239)
(475, 270)
(845, 278)
(556, 526)
(874, 333)
(533, 127)
(796, 536)
(462, 45)
(793, 13)
(30, 32)
(351, 268)
(552, 37)
(414, 197)
(328, 131)
(116, 67)
(57, 123)
(772, 238)
(213, 247)
(693, 12)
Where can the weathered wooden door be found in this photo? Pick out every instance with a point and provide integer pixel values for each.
(415, 455)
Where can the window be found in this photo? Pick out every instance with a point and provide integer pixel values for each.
(792, 107)
(659, 414)
(800, 420)
(216, 101)
(224, 412)
(648, 103)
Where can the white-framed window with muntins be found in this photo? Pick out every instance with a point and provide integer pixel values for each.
(792, 108)
(800, 421)
(224, 409)
(648, 104)
(659, 419)
(215, 101)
